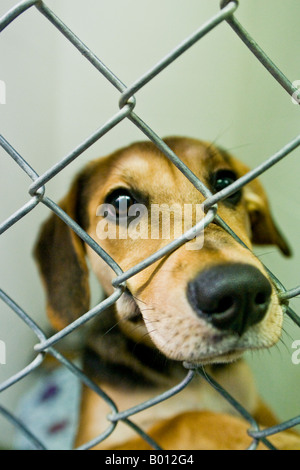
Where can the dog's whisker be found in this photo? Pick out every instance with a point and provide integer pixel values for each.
(137, 299)
(147, 321)
(136, 327)
(265, 254)
(285, 332)
(112, 327)
(142, 338)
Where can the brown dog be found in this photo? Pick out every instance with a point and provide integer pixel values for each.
(203, 306)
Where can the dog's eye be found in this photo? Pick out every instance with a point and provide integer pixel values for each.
(121, 200)
(224, 178)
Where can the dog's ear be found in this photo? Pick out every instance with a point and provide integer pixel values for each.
(60, 255)
(264, 229)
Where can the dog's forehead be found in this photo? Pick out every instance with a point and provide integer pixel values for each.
(196, 154)
(144, 168)
(148, 173)
(144, 165)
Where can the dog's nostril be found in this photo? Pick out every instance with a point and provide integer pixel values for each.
(224, 304)
(261, 298)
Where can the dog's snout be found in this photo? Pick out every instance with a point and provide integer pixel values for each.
(231, 297)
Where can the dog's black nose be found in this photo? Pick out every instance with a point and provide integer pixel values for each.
(231, 297)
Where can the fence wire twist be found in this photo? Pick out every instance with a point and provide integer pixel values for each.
(36, 191)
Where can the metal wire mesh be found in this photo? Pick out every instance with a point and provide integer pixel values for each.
(36, 191)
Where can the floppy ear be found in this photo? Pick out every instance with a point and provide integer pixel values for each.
(60, 255)
(264, 229)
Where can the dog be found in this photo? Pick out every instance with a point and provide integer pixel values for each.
(203, 306)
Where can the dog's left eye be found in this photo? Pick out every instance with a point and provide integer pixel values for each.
(121, 200)
(224, 178)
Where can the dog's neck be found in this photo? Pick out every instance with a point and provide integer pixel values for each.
(112, 357)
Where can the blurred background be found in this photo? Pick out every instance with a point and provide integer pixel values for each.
(216, 91)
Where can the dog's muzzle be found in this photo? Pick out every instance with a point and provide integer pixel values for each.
(231, 297)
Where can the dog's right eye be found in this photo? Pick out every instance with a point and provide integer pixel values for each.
(120, 200)
(222, 179)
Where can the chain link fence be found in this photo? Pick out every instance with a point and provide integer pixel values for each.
(37, 192)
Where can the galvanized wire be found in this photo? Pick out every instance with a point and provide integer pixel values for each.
(36, 190)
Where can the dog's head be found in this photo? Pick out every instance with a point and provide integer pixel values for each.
(207, 301)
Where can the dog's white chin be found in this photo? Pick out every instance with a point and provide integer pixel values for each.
(225, 350)
(206, 359)
(192, 341)
(218, 359)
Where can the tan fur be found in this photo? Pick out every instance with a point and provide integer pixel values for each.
(198, 396)
(206, 430)
(168, 321)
